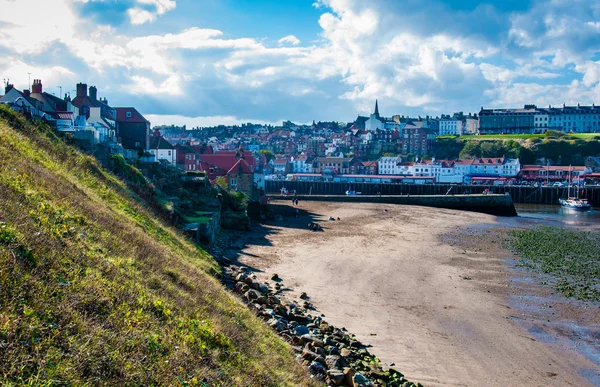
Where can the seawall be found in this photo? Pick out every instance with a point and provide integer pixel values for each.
(499, 205)
(519, 194)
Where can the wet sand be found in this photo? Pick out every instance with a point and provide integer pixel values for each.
(431, 292)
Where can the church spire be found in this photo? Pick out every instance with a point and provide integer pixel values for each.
(376, 109)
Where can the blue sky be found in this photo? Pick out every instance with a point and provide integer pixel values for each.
(229, 61)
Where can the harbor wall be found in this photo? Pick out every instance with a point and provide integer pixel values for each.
(519, 194)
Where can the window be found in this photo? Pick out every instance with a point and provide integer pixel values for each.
(128, 114)
(232, 181)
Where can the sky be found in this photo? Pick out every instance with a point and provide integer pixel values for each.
(209, 62)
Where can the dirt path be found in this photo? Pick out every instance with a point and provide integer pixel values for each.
(438, 307)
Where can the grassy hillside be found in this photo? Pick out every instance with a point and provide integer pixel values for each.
(95, 290)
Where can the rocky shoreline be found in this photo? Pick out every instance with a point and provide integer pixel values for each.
(332, 355)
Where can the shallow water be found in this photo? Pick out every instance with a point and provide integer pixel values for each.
(557, 216)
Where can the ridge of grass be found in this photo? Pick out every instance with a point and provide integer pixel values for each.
(96, 290)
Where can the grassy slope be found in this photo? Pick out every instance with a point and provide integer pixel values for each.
(94, 290)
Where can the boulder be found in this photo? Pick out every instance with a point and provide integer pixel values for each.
(316, 368)
(301, 330)
(360, 381)
(336, 377)
(251, 295)
(275, 277)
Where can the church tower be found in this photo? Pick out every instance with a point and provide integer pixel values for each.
(376, 113)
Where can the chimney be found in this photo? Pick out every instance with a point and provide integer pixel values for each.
(8, 87)
(156, 133)
(26, 92)
(37, 86)
(67, 97)
(93, 93)
(81, 90)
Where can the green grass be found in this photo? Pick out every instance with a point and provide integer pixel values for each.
(198, 219)
(570, 257)
(96, 290)
(583, 136)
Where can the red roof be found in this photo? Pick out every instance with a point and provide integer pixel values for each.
(551, 168)
(241, 166)
(134, 117)
(227, 160)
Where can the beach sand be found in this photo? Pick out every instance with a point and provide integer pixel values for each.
(430, 289)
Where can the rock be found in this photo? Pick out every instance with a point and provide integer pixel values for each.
(360, 381)
(262, 300)
(346, 352)
(317, 368)
(379, 374)
(251, 295)
(348, 376)
(333, 362)
(309, 355)
(318, 343)
(395, 374)
(241, 277)
(336, 377)
(301, 330)
(276, 324)
(275, 277)
(263, 288)
(304, 296)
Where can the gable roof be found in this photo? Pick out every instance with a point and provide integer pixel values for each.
(135, 116)
(226, 160)
(158, 142)
(240, 167)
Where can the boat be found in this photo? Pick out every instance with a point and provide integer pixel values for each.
(574, 202)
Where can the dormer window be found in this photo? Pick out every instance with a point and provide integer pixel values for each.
(128, 114)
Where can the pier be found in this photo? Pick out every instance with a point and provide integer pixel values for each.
(519, 194)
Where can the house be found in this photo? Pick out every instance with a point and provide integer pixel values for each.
(336, 165)
(280, 166)
(187, 157)
(302, 164)
(132, 129)
(227, 163)
(22, 101)
(593, 164)
(540, 173)
(241, 177)
(359, 167)
(51, 103)
(162, 150)
(85, 102)
(388, 165)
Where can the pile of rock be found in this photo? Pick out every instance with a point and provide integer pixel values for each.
(331, 354)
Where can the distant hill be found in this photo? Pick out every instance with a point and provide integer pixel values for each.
(96, 290)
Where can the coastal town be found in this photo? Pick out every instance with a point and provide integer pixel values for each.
(319, 193)
(371, 149)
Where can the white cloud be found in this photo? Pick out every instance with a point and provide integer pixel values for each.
(291, 39)
(140, 16)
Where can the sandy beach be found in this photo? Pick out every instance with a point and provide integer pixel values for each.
(431, 290)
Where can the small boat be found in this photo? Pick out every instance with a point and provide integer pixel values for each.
(574, 202)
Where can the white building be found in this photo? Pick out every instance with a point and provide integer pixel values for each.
(471, 125)
(389, 165)
(510, 168)
(163, 150)
(450, 127)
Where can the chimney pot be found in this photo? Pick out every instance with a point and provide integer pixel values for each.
(93, 93)
(37, 86)
(81, 90)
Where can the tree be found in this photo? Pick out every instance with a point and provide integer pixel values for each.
(268, 154)
(471, 149)
(526, 156)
